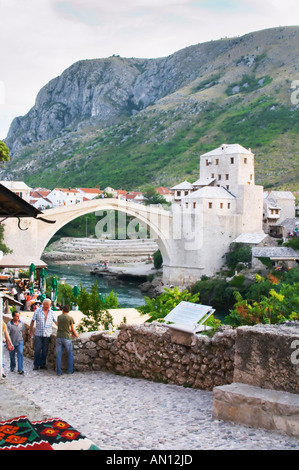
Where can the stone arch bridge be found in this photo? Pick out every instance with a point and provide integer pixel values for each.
(28, 237)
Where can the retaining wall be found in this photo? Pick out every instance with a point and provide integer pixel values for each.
(153, 352)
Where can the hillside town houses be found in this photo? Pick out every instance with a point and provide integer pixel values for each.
(223, 206)
(42, 198)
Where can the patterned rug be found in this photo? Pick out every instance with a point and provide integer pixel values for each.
(18, 434)
(62, 436)
(51, 434)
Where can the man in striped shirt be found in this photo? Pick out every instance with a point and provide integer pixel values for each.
(44, 318)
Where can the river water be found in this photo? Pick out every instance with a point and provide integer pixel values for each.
(128, 293)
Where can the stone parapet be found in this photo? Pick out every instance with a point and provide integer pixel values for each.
(265, 356)
(154, 352)
(265, 390)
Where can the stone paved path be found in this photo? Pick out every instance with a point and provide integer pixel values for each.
(120, 413)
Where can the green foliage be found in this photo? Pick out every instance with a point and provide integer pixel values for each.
(94, 309)
(158, 145)
(293, 243)
(266, 261)
(158, 259)
(247, 84)
(151, 196)
(4, 152)
(207, 83)
(160, 306)
(3, 246)
(214, 324)
(279, 305)
(83, 226)
(214, 291)
(65, 294)
(238, 253)
(237, 281)
(111, 300)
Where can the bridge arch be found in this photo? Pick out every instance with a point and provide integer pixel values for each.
(158, 220)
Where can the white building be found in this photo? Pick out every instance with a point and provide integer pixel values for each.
(211, 213)
(278, 206)
(19, 188)
(90, 193)
(39, 198)
(181, 190)
(65, 196)
(168, 195)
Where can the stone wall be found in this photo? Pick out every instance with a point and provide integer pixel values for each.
(156, 353)
(265, 390)
(152, 352)
(267, 356)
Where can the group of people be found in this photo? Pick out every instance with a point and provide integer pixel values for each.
(43, 318)
(30, 301)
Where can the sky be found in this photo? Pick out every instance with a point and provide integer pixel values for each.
(39, 39)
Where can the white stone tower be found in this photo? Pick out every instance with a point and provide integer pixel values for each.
(224, 203)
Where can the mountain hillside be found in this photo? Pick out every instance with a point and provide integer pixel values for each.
(127, 123)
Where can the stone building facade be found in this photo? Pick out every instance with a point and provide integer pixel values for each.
(225, 203)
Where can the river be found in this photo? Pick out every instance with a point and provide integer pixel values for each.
(128, 293)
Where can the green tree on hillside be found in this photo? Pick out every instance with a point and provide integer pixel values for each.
(4, 152)
(151, 196)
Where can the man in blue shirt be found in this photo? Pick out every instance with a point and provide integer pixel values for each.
(44, 318)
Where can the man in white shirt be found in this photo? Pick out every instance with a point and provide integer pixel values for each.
(44, 317)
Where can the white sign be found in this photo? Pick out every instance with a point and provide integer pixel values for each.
(188, 317)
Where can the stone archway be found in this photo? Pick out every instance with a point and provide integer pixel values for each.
(29, 243)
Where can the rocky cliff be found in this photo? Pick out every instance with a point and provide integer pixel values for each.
(129, 122)
(102, 92)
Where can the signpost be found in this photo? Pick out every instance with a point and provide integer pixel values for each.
(188, 317)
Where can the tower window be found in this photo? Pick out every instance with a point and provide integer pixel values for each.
(210, 205)
(232, 160)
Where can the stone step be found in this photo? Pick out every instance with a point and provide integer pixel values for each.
(257, 407)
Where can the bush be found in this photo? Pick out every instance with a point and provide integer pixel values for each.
(158, 260)
(237, 281)
(238, 253)
(293, 243)
(160, 306)
(281, 304)
(94, 309)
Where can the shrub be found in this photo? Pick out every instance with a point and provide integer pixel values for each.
(160, 306)
(94, 309)
(158, 259)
